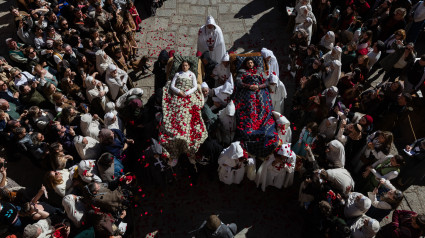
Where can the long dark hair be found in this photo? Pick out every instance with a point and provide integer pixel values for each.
(181, 65)
(246, 61)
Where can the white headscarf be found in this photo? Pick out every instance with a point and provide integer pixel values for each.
(224, 91)
(328, 131)
(356, 207)
(281, 120)
(226, 57)
(204, 85)
(272, 63)
(328, 43)
(336, 154)
(102, 63)
(89, 127)
(333, 76)
(230, 109)
(120, 102)
(273, 78)
(91, 151)
(88, 166)
(234, 151)
(286, 151)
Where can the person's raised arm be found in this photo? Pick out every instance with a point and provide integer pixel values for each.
(38, 195)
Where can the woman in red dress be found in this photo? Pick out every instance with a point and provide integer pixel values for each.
(133, 11)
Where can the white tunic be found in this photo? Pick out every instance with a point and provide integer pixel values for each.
(189, 75)
(222, 74)
(211, 38)
(226, 132)
(116, 83)
(91, 151)
(278, 95)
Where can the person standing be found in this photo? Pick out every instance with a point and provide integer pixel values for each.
(418, 20)
(210, 38)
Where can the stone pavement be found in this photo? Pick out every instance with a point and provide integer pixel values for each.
(247, 26)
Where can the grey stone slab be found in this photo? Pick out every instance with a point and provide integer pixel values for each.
(160, 24)
(169, 4)
(231, 27)
(194, 20)
(184, 9)
(191, 1)
(186, 51)
(224, 8)
(166, 12)
(213, 2)
(193, 31)
(198, 10)
(236, 7)
(213, 11)
(204, 2)
(176, 19)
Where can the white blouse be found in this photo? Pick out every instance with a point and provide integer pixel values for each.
(187, 74)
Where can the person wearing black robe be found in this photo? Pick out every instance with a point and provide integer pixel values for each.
(209, 65)
(159, 70)
(153, 167)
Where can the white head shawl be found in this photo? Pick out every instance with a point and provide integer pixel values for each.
(226, 57)
(372, 228)
(333, 77)
(210, 21)
(280, 119)
(354, 207)
(111, 68)
(336, 153)
(89, 127)
(272, 63)
(224, 91)
(89, 85)
(101, 63)
(110, 107)
(273, 78)
(337, 50)
(204, 85)
(328, 43)
(328, 131)
(234, 151)
(230, 109)
(286, 151)
(90, 151)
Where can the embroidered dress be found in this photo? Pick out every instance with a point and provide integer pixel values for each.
(183, 129)
(255, 126)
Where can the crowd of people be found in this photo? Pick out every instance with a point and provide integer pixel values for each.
(68, 103)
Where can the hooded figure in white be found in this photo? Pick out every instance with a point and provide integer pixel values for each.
(331, 94)
(205, 91)
(271, 61)
(340, 179)
(222, 94)
(230, 169)
(226, 131)
(277, 92)
(96, 89)
(89, 127)
(74, 208)
(116, 79)
(334, 54)
(328, 40)
(221, 71)
(87, 147)
(283, 127)
(328, 128)
(277, 171)
(333, 75)
(134, 92)
(112, 121)
(356, 205)
(103, 61)
(210, 38)
(335, 154)
(87, 171)
(307, 26)
(364, 227)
